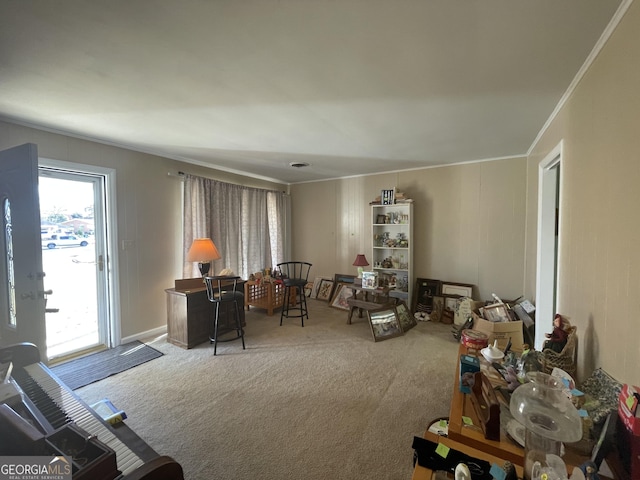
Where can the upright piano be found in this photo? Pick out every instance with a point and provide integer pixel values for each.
(40, 415)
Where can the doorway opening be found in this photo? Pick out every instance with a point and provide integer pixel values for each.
(548, 242)
(78, 312)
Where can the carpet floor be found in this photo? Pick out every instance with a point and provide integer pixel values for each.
(318, 402)
(98, 366)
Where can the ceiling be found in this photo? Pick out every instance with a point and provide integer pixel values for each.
(349, 86)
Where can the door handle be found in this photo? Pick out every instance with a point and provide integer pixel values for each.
(44, 293)
(99, 262)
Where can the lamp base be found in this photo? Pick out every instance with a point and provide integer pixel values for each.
(204, 268)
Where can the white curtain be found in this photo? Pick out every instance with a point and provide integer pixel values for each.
(250, 226)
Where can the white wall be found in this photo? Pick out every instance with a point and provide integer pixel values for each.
(599, 284)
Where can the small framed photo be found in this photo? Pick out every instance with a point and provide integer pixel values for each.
(387, 197)
(407, 321)
(381, 219)
(325, 289)
(369, 279)
(384, 324)
(343, 293)
(460, 289)
(496, 312)
(425, 290)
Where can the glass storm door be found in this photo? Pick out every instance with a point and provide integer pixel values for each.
(72, 235)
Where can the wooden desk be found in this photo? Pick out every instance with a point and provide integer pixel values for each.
(189, 313)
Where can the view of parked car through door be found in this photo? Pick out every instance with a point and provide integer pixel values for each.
(70, 262)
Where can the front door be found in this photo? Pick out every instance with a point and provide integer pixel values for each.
(22, 299)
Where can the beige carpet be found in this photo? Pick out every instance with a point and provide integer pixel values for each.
(316, 403)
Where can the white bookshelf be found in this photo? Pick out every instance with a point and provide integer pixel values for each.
(392, 247)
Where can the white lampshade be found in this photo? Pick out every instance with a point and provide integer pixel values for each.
(203, 251)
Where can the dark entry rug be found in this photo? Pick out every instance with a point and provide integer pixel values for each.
(98, 366)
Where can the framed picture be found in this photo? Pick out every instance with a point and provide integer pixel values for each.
(316, 287)
(438, 308)
(425, 290)
(343, 293)
(496, 312)
(387, 197)
(325, 289)
(381, 219)
(384, 324)
(451, 302)
(341, 278)
(344, 278)
(407, 321)
(308, 288)
(460, 289)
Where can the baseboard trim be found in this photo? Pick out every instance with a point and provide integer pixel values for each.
(142, 336)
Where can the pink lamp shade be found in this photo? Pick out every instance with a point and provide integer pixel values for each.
(360, 262)
(203, 250)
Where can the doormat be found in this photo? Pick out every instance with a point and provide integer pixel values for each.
(98, 366)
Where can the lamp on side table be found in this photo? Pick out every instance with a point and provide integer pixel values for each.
(203, 251)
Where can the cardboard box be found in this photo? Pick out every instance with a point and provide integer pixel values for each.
(501, 331)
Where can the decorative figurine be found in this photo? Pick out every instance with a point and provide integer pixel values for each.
(558, 338)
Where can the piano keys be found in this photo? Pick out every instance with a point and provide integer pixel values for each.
(49, 405)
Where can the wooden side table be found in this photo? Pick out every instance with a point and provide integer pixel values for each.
(367, 299)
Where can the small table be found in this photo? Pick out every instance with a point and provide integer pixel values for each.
(370, 299)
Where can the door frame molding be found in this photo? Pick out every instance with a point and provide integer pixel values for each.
(548, 251)
(112, 260)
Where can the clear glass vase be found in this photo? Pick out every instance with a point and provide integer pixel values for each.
(549, 418)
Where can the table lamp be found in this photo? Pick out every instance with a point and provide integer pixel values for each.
(203, 251)
(360, 262)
